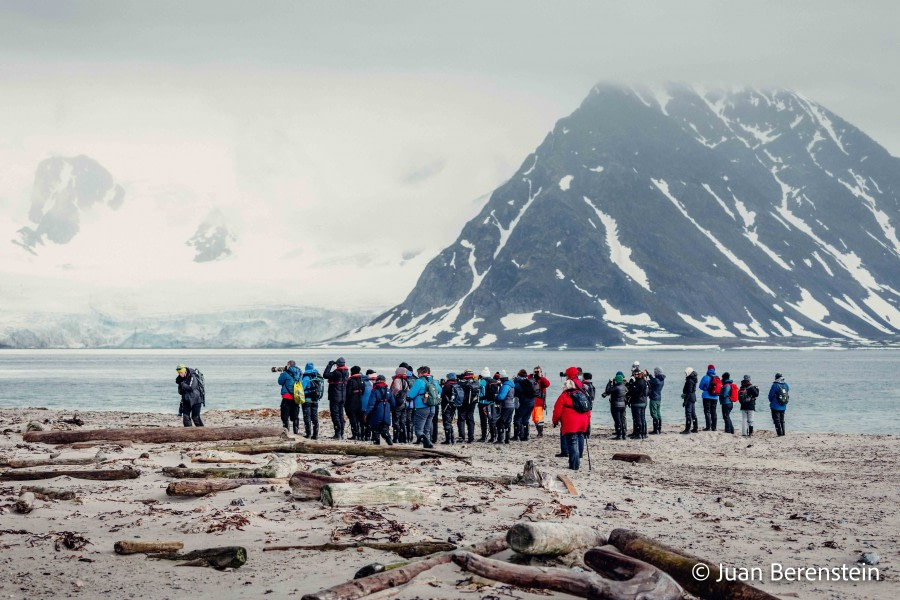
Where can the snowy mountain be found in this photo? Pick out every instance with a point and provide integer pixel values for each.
(255, 328)
(668, 216)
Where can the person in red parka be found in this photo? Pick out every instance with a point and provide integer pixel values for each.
(574, 423)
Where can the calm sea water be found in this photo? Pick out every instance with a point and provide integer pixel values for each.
(831, 390)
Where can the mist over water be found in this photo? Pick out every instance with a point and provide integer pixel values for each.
(846, 391)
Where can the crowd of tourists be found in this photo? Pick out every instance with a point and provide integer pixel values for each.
(413, 406)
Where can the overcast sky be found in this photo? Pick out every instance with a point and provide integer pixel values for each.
(352, 118)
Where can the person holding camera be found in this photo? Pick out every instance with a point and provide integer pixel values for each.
(689, 400)
(526, 391)
(540, 400)
(290, 410)
(617, 392)
(337, 375)
(191, 388)
(638, 391)
(506, 398)
(656, 382)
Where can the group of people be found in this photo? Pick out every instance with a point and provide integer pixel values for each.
(413, 406)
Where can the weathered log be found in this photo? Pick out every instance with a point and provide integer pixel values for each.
(400, 574)
(377, 494)
(96, 475)
(645, 581)
(632, 458)
(146, 547)
(153, 435)
(543, 538)
(42, 493)
(94, 444)
(308, 486)
(343, 462)
(226, 557)
(680, 565)
(204, 487)
(406, 550)
(306, 447)
(280, 467)
(205, 459)
(500, 479)
(26, 463)
(25, 503)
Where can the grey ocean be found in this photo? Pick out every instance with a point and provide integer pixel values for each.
(849, 391)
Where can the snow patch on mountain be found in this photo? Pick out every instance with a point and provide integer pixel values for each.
(619, 254)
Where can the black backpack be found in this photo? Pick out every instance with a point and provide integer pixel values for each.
(316, 388)
(458, 396)
(471, 391)
(527, 389)
(580, 401)
(536, 386)
(491, 390)
(201, 384)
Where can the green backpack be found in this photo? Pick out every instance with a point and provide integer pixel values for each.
(432, 393)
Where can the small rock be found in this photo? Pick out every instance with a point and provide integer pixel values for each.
(729, 504)
(238, 502)
(322, 471)
(869, 558)
(35, 426)
(79, 583)
(145, 455)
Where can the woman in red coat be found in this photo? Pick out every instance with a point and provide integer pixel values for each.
(574, 423)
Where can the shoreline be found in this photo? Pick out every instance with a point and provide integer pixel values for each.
(802, 500)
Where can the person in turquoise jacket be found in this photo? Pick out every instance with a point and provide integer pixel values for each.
(506, 398)
(314, 389)
(710, 399)
(423, 414)
(290, 410)
(778, 399)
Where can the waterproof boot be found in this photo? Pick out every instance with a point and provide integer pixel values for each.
(426, 442)
(377, 441)
(499, 439)
(285, 424)
(506, 440)
(386, 437)
(448, 438)
(296, 428)
(751, 430)
(687, 426)
(315, 434)
(483, 437)
(540, 430)
(307, 428)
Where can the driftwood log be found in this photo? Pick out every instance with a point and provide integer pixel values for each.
(679, 565)
(42, 493)
(377, 494)
(153, 435)
(280, 467)
(543, 538)
(308, 486)
(96, 475)
(226, 557)
(146, 547)
(406, 550)
(399, 574)
(25, 463)
(529, 476)
(25, 503)
(95, 443)
(632, 578)
(221, 461)
(205, 487)
(632, 458)
(569, 485)
(306, 447)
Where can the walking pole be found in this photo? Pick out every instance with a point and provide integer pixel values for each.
(587, 448)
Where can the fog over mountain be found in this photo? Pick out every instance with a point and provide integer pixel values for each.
(673, 215)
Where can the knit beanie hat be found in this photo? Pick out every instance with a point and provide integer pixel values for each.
(688, 371)
(485, 372)
(503, 374)
(370, 372)
(451, 376)
(620, 377)
(746, 378)
(355, 369)
(340, 361)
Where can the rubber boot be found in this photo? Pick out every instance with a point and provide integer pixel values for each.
(387, 438)
(377, 441)
(296, 428)
(751, 430)
(306, 427)
(426, 442)
(506, 440)
(315, 434)
(540, 430)
(499, 439)
(687, 426)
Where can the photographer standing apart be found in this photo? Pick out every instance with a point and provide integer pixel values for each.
(337, 374)
(190, 387)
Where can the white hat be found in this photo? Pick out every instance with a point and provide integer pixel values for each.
(688, 371)
(635, 364)
(503, 373)
(485, 372)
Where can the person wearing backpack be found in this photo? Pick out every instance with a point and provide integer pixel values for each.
(540, 400)
(587, 382)
(506, 398)
(314, 390)
(400, 391)
(378, 417)
(689, 400)
(747, 396)
(728, 398)
(425, 395)
(356, 386)
(711, 386)
(369, 383)
(337, 374)
(778, 401)
(451, 401)
(290, 409)
(526, 390)
(638, 391)
(492, 407)
(617, 392)
(656, 383)
(190, 387)
(465, 414)
(568, 412)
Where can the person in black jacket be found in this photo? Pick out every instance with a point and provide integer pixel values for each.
(689, 397)
(525, 392)
(747, 395)
(191, 396)
(450, 394)
(356, 385)
(616, 391)
(656, 382)
(638, 391)
(337, 374)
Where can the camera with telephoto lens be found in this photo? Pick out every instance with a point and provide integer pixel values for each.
(561, 374)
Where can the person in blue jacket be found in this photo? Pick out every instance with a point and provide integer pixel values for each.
(313, 389)
(378, 417)
(778, 399)
(710, 398)
(484, 404)
(729, 392)
(423, 414)
(506, 398)
(290, 410)
(365, 404)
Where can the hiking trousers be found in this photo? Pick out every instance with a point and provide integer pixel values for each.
(726, 416)
(190, 415)
(639, 420)
(523, 417)
(311, 417)
(709, 413)
(422, 419)
(337, 416)
(449, 411)
(619, 421)
(747, 422)
(483, 410)
(655, 413)
(574, 448)
(465, 422)
(778, 419)
(290, 411)
(690, 416)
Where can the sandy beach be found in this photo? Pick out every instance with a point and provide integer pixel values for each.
(805, 500)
